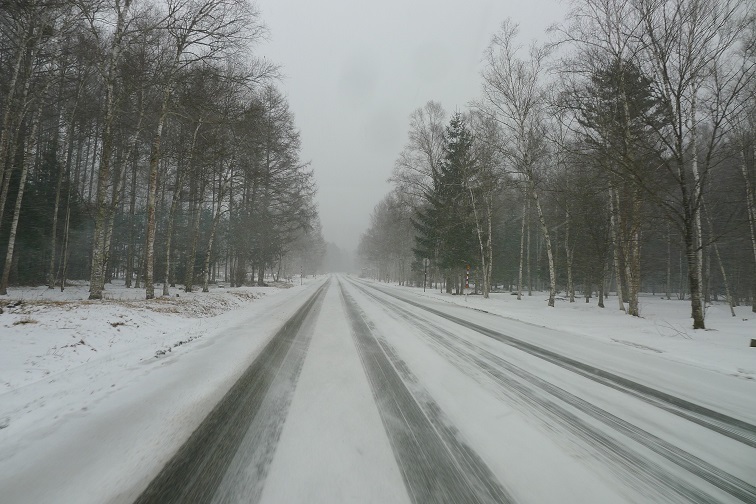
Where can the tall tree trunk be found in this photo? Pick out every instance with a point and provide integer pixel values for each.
(68, 167)
(62, 167)
(66, 235)
(228, 269)
(630, 236)
(691, 247)
(614, 223)
(149, 254)
(97, 276)
(547, 240)
(65, 168)
(730, 300)
(489, 246)
(9, 105)
(54, 230)
(569, 255)
(23, 105)
(669, 263)
(694, 241)
(630, 239)
(130, 242)
(174, 206)
(261, 275)
(81, 163)
(110, 219)
(522, 247)
(29, 152)
(8, 173)
(133, 156)
(194, 237)
(175, 200)
(210, 240)
(527, 246)
(89, 181)
(751, 213)
(479, 232)
(602, 283)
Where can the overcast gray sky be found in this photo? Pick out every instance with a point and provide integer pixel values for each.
(355, 70)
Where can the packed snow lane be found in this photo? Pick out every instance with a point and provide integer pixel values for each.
(735, 428)
(655, 450)
(242, 430)
(437, 466)
(333, 447)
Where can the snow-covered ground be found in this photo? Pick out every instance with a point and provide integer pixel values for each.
(46, 332)
(664, 327)
(109, 389)
(95, 397)
(546, 436)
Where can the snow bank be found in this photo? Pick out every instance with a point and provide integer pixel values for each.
(46, 332)
(664, 327)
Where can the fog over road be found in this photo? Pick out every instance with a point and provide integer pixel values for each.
(371, 394)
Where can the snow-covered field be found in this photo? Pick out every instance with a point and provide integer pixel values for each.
(145, 369)
(47, 332)
(664, 327)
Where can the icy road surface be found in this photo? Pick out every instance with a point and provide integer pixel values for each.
(366, 393)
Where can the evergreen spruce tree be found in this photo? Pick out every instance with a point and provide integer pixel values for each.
(445, 227)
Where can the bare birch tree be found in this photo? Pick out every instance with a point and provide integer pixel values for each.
(197, 30)
(515, 97)
(423, 153)
(690, 47)
(98, 14)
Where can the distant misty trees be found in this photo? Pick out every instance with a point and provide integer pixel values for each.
(620, 158)
(142, 140)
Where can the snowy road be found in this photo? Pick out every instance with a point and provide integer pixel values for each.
(592, 435)
(623, 424)
(369, 393)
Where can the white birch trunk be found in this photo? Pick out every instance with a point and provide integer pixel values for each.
(489, 248)
(522, 249)
(569, 255)
(547, 240)
(29, 154)
(614, 224)
(149, 255)
(730, 300)
(97, 275)
(751, 212)
(210, 240)
(696, 210)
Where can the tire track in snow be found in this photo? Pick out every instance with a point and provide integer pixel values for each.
(726, 425)
(511, 381)
(254, 409)
(437, 467)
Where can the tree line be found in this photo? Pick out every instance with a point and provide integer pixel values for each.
(619, 156)
(145, 141)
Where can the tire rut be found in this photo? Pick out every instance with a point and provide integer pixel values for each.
(196, 471)
(511, 380)
(726, 425)
(436, 465)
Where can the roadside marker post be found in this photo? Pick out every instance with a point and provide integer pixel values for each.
(467, 280)
(425, 274)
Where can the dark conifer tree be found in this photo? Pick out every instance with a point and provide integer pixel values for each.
(445, 227)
